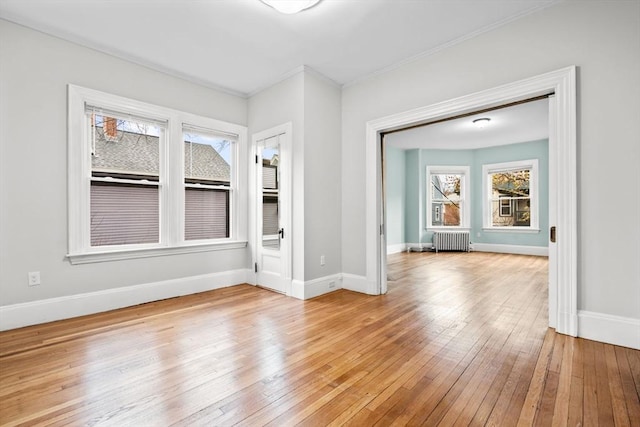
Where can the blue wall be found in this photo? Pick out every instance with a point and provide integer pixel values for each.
(528, 150)
(416, 162)
(395, 174)
(412, 221)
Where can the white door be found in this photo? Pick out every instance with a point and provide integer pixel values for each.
(273, 209)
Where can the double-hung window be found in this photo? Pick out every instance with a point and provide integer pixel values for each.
(510, 201)
(208, 183)
(448, 197)
(146, 180)
(124, 203)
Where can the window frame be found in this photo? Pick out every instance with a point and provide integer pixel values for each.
(465, 193)
(116, 181)
(231, 189)
(487, 215)
(171, 181)
(502, 206)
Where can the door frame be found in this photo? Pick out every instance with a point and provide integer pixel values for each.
(284, 131)
(563, 312)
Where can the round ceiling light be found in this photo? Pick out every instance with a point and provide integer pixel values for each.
(481, 122)
(290, 6)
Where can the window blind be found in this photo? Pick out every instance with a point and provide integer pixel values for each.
(269, 216)
(206, 214)
(269, 177)
(124, 214)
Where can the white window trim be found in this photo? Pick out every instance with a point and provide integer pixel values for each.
(532, 165)
(465, 191)
(172, 177)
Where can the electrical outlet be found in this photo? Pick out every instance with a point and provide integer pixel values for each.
(34, 278)
(478, 234)
(332, 284)
(321, 259)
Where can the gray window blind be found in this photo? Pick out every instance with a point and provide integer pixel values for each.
(206, 214)
(124, 214)
(269, 177)
(269, 216)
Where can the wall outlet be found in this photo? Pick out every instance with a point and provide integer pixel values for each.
(321, 259)
(478, 234)
(34, 278)
(332, 284)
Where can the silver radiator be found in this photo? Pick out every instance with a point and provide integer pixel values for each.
(451, 241)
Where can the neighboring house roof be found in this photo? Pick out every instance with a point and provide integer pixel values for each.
(513, 184)
(138, 154)
(510, 191)
(203, 162)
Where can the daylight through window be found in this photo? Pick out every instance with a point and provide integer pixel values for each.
(207, 181)
(511, 191)
(146, 180)
(125, 179)
(447, 199)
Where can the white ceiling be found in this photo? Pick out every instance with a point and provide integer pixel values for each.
(520, 123)
(243, 46)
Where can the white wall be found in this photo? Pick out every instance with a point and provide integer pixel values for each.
(35, 71)
(322, 177)
(312, 104)
(279, 104)
(603, 40)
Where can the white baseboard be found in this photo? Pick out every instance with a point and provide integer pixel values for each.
(316, 287)
(355, 283)
(622, 331)
(297, 289)
(395, 249)
(510, 249)
(48, 310)
(418, 247)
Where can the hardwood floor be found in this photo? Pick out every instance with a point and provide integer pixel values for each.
(460, 339)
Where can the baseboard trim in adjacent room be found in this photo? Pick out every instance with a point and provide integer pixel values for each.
(52, 309)
(394, 249)
(510, 249)
(622, 331)
(419, 247)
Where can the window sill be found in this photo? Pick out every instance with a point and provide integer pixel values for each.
(511, 230)
(461, 229)
(123, 254)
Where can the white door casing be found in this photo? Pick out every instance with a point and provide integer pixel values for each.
(553, 197)
(563, 312)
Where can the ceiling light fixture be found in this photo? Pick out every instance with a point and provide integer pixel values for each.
(481, 122)
(290, 6)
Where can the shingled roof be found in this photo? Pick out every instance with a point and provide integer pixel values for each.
(207, 164)
(138, 154)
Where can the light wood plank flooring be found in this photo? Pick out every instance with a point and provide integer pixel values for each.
(460, 339)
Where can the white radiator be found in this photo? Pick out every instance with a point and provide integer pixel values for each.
(451, 241)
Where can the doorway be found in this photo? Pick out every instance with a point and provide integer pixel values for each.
(272, 209)
(562, 169)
